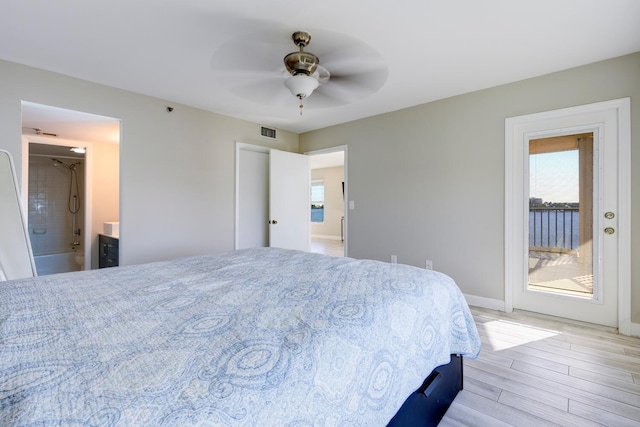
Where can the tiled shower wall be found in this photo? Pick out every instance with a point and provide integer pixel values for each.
(49, 218)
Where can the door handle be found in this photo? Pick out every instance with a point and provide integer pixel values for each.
(273, 221)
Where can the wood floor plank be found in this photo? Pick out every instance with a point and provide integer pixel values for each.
(481, 388)
(601, 416)
(495, 357)
(612, 353)
(629, 385)
(450, 422)
(459, 414)
(546, 412)
(611, 360)
(514, 354)
(515, 383)
(496, 340)
(520, 332)
(611, 339)
(576, 388)
(589, 345)
(507, 414)
(593, 364)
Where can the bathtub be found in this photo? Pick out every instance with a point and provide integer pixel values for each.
(58, 263)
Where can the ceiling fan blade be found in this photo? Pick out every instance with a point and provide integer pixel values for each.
(345, 88)
(323, 98)
(347, 53)
(243, 54)
(257, 88)
(364, 82)
(357, 70)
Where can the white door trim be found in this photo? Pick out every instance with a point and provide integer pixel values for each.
(515, 128)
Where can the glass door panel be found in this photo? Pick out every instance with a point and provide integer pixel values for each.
(560, 258)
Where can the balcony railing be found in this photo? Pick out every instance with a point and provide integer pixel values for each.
(554, 229)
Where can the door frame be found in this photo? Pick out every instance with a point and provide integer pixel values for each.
(516, 130)
(345, 150)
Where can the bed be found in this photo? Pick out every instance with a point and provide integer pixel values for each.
(251, 337)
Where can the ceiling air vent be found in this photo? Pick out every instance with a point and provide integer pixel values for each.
(267, 132)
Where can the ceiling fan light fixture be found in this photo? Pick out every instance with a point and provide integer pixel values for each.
(301, 85)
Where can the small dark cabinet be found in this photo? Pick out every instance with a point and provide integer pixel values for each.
(108, 251)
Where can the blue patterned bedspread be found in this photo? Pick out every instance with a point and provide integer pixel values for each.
(247, 338)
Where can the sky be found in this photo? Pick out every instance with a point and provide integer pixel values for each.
(554, 176)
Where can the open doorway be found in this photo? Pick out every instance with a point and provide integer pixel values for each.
(328, 195)
(70, 188)
(257, 219)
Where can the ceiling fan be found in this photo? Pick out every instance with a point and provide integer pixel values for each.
(250, 65)
(304, 67)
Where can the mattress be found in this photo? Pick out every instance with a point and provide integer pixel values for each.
(251, 337)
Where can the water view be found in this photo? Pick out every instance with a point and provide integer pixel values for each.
(554, 227)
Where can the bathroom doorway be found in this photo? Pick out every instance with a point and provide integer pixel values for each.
(70, 184)
(56, 207)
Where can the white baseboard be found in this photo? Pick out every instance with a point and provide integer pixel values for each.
(635, 329)
(482, 302)
(321, 236)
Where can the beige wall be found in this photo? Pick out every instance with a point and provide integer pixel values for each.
(177, 171)
(428, 181)
(334, 202)
(105, 202)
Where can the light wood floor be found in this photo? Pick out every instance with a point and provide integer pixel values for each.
(333, 247)
(537, 370)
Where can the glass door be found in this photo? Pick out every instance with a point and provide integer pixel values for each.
(570, 267)
(567, 175)
(561, 182)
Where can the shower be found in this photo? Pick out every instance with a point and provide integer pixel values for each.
(73, 200)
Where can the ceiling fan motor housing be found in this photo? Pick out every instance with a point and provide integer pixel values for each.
(301, 62)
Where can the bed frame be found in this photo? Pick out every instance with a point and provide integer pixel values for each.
(427, 405)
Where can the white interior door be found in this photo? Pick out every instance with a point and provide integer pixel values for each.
(289, 200)
(609, 215)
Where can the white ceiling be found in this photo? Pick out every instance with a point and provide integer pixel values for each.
(327, 160)
(429, 49)
(38, 119)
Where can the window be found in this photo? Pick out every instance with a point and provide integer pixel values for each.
(317, 201)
